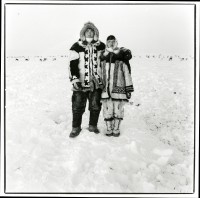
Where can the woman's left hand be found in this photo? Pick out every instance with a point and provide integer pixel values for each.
(128, 95)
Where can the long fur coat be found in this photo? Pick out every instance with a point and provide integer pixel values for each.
(116, 74)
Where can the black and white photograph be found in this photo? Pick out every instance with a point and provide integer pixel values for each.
(100, 98)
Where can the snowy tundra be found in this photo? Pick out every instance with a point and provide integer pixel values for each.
(154, 154)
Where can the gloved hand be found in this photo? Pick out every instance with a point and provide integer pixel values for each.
(109, 49)
(127, 54)
(115, 45)
(77, 86)
(106, 52)
(128, 95)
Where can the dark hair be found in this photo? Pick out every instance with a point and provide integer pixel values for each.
(111, 37)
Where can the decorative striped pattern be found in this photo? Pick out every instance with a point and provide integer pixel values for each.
(117, 89)
(87, 67)
(84, 63)
(103, 65)
(129, 88)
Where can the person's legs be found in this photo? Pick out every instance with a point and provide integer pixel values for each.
(108, 111)
(94, 108)
(116, 128)
(78, 107)
(118, 117)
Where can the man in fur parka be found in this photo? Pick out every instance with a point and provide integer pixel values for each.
(85, 75)
(117, 82)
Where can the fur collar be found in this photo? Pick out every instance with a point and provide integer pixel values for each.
(84, 43)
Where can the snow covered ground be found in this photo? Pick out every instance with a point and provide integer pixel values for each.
(154, 153)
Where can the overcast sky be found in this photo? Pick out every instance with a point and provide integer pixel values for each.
(52, 29)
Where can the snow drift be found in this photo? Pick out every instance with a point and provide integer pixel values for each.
(154, 153)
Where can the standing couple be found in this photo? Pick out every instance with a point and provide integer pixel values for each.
(100, 74)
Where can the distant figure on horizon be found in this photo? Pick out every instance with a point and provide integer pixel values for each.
(170, 58)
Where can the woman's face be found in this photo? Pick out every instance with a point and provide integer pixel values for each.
(89, 33)
(111, 43)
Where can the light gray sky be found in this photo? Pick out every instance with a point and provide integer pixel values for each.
(52, 29)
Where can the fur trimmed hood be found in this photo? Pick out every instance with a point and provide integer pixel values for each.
(84, 43)
(91, 26)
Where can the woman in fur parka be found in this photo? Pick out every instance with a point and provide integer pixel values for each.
(117, 81)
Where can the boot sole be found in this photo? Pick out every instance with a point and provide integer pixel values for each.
(116, 135)
(109, 135)
(96, 132)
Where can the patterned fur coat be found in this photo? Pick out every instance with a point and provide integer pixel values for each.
(84, 60)
(116, 74)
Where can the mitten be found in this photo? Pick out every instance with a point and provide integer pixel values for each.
(77, 86)
(128, 95)
(109, 49)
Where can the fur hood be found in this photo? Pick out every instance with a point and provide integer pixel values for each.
(91, 26)
(85, 43)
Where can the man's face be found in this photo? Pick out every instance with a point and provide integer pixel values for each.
(111, 43)
(89, 33)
